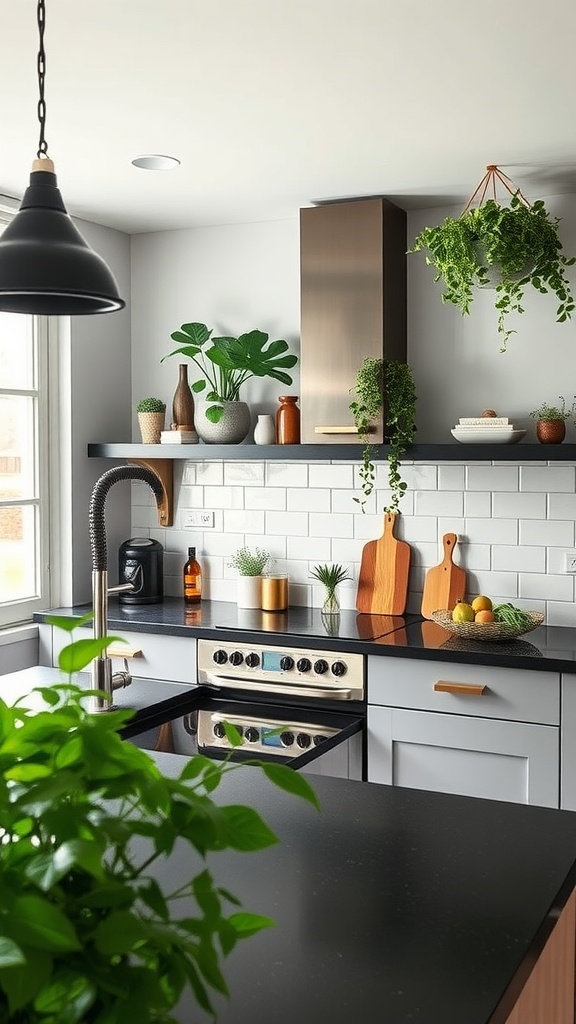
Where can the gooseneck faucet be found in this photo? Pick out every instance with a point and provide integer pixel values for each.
(102, 678)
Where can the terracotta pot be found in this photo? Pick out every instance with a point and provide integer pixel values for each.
(550, 431)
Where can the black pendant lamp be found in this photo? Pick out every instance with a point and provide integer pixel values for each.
(46, 266)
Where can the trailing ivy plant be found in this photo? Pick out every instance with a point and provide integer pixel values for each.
(88, 932)
(379, 380)
(519, 243)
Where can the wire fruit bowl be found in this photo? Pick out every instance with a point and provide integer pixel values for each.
(491, 632)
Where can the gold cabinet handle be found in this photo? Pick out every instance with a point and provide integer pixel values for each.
(123, 651)
(462, 689)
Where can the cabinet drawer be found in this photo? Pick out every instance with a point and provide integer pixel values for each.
(163, 657)
(506, 693)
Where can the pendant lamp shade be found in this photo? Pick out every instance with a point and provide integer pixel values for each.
(46, 266)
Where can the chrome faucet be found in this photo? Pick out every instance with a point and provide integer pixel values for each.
(102, 677)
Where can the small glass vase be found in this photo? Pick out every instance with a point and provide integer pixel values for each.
(331, 604)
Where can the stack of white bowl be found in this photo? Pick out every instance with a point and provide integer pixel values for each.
(486, 430)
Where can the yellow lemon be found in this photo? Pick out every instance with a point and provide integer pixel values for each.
(463, 612)
(482, 604)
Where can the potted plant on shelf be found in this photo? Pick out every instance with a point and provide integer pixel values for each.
(509, 246)
(224, 365)
(389, 384)
(551, 421)
(88, 930)
(250, 565)
(151, 415)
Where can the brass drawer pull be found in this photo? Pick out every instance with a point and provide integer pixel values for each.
(464, 689)
(123, 651)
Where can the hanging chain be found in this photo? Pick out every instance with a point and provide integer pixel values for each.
(41, 64)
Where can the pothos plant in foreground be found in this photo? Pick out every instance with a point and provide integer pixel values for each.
(87, 932)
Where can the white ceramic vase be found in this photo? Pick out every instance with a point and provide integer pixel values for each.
(249, 592)
(232, 428)
(265, 430)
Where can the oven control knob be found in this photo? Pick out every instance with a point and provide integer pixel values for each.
(219, 730)
(251, 734)
(339, 668)
(303, 740)
(287, 738)
(321, 666)
(286, 663)
(252, 660)
(236, 658)
(304, 664)
(220, 657)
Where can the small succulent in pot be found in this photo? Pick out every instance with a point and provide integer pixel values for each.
(151, 413)
(249, 562)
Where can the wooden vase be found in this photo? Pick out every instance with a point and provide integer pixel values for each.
(183, 402)
(550, 431)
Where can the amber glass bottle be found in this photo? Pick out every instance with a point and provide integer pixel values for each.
(288, 420)
(192, 579)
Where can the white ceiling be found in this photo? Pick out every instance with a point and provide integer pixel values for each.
(274, 104)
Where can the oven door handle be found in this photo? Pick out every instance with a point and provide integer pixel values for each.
(337, 692)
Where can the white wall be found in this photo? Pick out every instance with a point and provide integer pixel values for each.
(513, 521)
(96, 404)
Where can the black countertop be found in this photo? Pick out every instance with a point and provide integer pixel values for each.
(408, 636)
(391, 904)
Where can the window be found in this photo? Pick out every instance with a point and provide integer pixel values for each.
(24, 465)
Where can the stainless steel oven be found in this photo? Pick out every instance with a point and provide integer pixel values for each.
(304, 707)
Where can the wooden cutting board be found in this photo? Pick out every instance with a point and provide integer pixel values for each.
(445, 584)
(384, 570)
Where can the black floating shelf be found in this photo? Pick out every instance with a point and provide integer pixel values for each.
(450, 452)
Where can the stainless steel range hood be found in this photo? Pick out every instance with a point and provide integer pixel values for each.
(353, 304)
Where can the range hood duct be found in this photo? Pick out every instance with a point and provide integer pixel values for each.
(353, 299)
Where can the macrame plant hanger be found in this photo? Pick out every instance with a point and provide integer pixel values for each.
(490, 179)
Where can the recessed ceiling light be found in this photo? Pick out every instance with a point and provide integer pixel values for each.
(156, 162)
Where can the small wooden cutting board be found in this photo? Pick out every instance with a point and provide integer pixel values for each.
(384, 571)
(445, 584)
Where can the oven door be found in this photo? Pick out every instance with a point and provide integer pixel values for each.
(320, 742)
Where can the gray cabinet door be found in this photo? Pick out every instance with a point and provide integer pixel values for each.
(499, 760)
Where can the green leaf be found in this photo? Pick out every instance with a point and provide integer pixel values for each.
(70, 995)
(246, 924)
(10, 954)
(38, 923)
(245, 829)
(120, 933)
(21, 983)
(293, 782)
(68, 624)
(79, 654)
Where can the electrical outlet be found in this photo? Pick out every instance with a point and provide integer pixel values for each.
(570, 561)
(203, 520)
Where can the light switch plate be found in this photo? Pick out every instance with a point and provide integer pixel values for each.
(199, 519)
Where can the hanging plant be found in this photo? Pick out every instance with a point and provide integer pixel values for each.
(510, 246)
(378, 380)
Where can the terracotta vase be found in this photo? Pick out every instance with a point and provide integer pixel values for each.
(550, 431)
(288, 420)
(183, 402)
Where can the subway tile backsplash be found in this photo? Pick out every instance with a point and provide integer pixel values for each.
(513, 524)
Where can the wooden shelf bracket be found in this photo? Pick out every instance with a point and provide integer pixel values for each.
(163, 470)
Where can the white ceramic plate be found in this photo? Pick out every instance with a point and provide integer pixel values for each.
(489, 436)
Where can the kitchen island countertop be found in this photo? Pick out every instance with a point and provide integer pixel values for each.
(391, 904)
